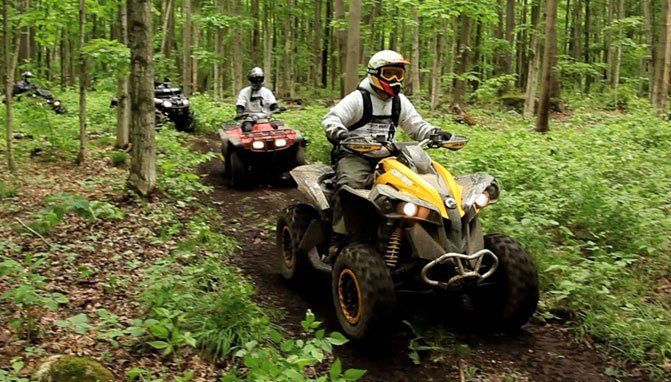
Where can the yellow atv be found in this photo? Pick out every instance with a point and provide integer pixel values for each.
(416, 229)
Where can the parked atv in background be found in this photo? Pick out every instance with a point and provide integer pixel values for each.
(35, 91)
(170, 105)
(260, 149)
(417, 230)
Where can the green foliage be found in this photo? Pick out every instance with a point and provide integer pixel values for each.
(26, 292)
(490, 88)
(177, 162)
(57, 206)
(164, 333)
(289, 363)
(119, 158)
(112, 53)
(7, 191)
(12, 375)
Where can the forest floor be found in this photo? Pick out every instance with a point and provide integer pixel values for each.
(97, 267)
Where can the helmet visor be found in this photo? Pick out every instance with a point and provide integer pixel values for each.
(392, 73)
(256, 80)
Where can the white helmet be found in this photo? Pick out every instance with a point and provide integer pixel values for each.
(256, 77)
(386, 71)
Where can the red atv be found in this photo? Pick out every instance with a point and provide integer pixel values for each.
(260, 149)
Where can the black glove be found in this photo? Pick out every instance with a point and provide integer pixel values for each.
(444, 135)
(339, 133)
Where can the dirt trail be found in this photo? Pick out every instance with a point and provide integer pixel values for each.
(540, 352)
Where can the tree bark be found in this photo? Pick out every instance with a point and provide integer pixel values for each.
(646, 62)
(165, 44)
(534, 62)
(436, 72)
(340, 39)
(663, 61)
(353, 45)
(8, 69)
(123, 110)
(186, 48)
(542, 122)
(326, 47)
(464, 47)
(415, 85)
(142, 177)
(83, 78)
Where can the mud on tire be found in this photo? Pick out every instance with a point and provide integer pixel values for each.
(292, 223)
(363, 292)
(509, 297)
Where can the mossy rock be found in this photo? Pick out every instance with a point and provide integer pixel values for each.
(63, 368)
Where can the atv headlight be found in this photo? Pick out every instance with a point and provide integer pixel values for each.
(258, 145)
(167, 104)
(185, 102)
(409, 209)
(280, 142)
(57, 103)
(482, 200)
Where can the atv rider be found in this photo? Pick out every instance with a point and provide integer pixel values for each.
(24, 85)
(375, 108)
(255, 98)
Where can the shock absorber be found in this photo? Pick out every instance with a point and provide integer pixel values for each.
(393, 248)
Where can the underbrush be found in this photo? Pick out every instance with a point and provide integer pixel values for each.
(193, 302)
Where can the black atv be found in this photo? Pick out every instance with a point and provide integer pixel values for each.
(171, 105)
(36, 91)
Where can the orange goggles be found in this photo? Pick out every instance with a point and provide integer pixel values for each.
(392, 73)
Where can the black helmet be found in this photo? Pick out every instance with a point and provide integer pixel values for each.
(256, 77)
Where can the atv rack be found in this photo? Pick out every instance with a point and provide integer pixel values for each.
(475, 260)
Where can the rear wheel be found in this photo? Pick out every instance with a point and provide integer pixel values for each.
(299, 159)
(509, 297)
(186, 124)
(292, 225)
(240, 177)
(363, 291)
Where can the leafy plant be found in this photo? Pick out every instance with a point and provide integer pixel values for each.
(119, 158)
(63, 203)
(290, 362)
(26, 293)
(7, 191)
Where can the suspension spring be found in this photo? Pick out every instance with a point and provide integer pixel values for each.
(393, 248)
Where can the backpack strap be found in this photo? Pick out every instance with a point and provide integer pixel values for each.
(396, 110)
(367, 110)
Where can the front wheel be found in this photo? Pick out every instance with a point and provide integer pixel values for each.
(292, 224)
(507, 299)
(240, 177)
(363, 291)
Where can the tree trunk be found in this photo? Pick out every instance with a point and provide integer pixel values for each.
(646, 62)
(534, 62)
(510, 26)
(195, 36)
(143, 155)
(549, 53)
(415, 85)
(316, 44)
(615, 80)
(464, 47)
(663, 61)
(256, 33)
(588, 14)
(340, 39)
(8, 69)
(436, 72)
(353, 45)
(83, 78)
(325, 46)
(268, 40)
(186, 48)
(123, 110)
(165, 43)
